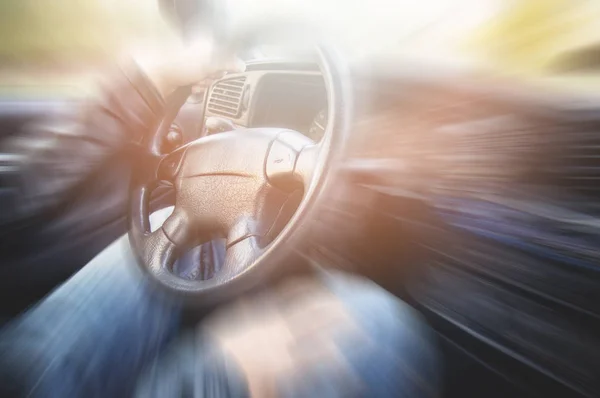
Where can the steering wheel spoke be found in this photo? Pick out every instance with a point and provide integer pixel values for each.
(169, 165)
(291, 160)
(242, 248)
(306, 163)
(161, 247)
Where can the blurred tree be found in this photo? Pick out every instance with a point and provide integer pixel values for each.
(66, 31)
(530, 35)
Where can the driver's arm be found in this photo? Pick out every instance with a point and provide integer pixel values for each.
(44, 165)
(38, 172)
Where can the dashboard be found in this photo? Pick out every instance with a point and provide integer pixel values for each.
(290, 96)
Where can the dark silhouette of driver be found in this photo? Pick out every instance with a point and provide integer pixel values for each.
(107, 333)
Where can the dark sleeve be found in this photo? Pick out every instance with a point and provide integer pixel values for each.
(40, 168)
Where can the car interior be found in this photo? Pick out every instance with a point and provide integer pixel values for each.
(394, 150)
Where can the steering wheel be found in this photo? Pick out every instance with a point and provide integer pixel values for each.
(221, 184)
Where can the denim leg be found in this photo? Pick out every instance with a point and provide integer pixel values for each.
(403, 359)
(382, 347)
(91, 336)
(392, 353)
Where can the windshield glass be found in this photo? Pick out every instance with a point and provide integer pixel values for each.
(61, 44)
(505, 36)
(425, 28)
(50, 47)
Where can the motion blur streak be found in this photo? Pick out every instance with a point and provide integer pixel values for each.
(465, 199)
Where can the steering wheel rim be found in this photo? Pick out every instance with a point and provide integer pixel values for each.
(313, 166)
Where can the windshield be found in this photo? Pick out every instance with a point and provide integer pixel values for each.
(425, 28)
(505, 36)
(44, 42)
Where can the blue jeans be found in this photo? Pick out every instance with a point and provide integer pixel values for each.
(105, 329)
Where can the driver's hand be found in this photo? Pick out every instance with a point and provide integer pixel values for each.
(183, 65)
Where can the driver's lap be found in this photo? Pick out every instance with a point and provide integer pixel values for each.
(103, 333)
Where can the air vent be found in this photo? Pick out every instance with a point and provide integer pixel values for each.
(226, 97)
